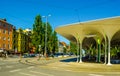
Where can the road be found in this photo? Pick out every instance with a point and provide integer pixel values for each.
(14, 68)
(10, 68)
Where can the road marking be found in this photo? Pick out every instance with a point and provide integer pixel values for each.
(95, 75)
(9, 66)
(42, 73)
(16, 70)
(55, 67)
(2, 63)
(67, 70)
(26, 74)
(30, 67)
(14, 62)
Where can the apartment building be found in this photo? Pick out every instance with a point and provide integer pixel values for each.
(22, 40)
(6, 35)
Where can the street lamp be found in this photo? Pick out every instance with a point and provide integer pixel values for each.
(46, 33)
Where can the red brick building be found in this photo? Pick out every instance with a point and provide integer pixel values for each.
(6, 35)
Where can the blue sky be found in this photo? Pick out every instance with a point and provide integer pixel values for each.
(21, 13)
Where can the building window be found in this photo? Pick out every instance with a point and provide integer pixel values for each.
(4, 31)
(8, 38)
(4, 38)
(8, 32)
(4, 45)
(0, 23)
(4, 25)
(0, 30)
(8, 27)
(8, 46)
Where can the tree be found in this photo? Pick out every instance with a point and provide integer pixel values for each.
(55, 42)
(37, 32)
(38, 36)
(49, 38)
(73, 48)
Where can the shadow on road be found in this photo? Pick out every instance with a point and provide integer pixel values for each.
(90, 61)
(69, 60)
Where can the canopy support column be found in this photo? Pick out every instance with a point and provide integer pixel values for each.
(105, 52)
(108, 52)
(81, 52)
(78, 52)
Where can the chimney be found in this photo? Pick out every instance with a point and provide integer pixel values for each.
(4, 19)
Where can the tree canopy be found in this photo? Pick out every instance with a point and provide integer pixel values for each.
(38, 36)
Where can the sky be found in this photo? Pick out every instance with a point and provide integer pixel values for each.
(21, 13)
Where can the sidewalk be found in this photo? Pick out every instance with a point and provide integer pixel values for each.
(41, 61)
(73, 66)
(55, 63)
(86, 67)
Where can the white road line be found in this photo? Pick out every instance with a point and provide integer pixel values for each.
(26, 74)
(30, 67)
(14, 62)
(95, 75)
(2, 63)
(16, 70)
(55, 67)
(9, 66)
(41, 73)
(67, 70)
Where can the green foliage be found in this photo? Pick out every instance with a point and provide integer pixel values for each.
(65, 50)
(38, 36)
(37, 32)
(92, 50)
(73, 48)
(115, 52)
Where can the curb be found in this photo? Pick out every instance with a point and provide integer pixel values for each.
(42, 61)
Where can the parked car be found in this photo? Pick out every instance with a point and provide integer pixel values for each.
(58, 55)
(26, 55)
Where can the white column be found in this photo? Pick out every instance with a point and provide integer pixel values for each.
(108, 52)
(105, 52)
(80, 53)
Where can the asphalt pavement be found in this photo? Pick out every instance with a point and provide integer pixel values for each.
(14, 68)
(54, 67)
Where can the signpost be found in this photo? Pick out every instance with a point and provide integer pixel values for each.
(39, 51)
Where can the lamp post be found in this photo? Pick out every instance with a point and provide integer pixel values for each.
(46, 33)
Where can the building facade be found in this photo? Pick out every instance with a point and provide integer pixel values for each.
(6, 35)
(22, 41)
(12, 40)
(63, 47)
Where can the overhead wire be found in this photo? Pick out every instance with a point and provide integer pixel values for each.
(77, 10)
